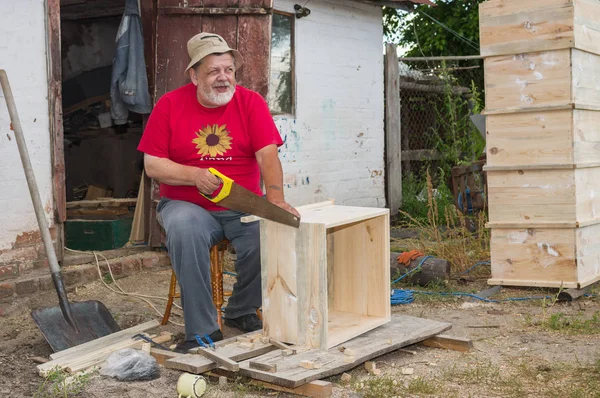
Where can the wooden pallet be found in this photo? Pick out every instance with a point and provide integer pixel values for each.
(291, 371)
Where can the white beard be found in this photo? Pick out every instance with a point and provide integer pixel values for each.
(216, 98)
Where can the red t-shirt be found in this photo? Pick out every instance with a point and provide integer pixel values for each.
(226, 138)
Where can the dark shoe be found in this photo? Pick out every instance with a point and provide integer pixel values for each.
(246, 323)
(183, 348)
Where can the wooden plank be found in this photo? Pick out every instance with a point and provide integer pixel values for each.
(528, 80)
(311, 270)
(549, 196)
(542, 108)
(173, 33)
(585, 69)
(587, 197)
(229, 348)
(254, 40)
(279, 280)
(359, 294)
(317, 388)
(55, 112)
(587, 25)
(102, 202)
(514, 27)
(220, 360)
(542, 196)
(393, 133)
(86, 359)
(163, 356)
(97, 357)
(586, 136)
(138, 231)
(213, 11)
(448, 342)
(267, 367)
(311, 206)
(100, 342)
(542, 257)
(529, 225)
(280, 345)
(333, 216)
(400, 332)
(587, 250)
(534, 167)
(533, 283)
(531, 138)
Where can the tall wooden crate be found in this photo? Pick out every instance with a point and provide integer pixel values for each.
(542, 82)
(329, 280)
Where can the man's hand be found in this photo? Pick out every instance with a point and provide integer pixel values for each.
(285, 206)
(206, 182)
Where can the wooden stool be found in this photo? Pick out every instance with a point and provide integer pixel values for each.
(216, 276)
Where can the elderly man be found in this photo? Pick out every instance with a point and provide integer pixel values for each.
(211, 122)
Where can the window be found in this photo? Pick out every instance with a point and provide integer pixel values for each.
(281, 84)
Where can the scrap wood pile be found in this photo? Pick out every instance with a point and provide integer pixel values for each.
(266, 362)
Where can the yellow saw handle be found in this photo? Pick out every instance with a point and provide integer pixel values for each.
(225, 191)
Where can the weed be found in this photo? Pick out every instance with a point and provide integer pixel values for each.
(449, 236)
(384, 387)
(59, 383)
(242, 387)
(573, 324)
(457, 137)
(421, 386)
(107, 277)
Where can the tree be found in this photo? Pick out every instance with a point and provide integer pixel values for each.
(423, 36)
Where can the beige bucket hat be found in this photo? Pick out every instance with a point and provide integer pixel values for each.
(204, 44)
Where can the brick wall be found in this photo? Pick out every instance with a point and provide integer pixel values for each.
(334, 144)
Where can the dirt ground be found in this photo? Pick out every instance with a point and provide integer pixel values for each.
(521, 348)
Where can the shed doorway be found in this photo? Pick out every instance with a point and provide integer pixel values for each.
(103, 168)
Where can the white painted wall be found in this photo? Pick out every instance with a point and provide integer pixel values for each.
(334, 144)
(23, 56)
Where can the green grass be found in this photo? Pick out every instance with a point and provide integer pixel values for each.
(384, 387)
(573, 324)
(528, 378)
(59, 383)
(107, 278)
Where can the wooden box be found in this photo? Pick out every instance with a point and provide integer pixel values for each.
(109, 233)
(567, 257)
(552, 197)
(546, 138)
(329, 280)
(521, 26)
(549, 80)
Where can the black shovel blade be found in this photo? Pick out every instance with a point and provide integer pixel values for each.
(92, 319)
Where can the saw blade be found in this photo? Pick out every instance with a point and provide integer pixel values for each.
(246, 201)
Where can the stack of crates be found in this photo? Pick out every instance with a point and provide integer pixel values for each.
(542, 92)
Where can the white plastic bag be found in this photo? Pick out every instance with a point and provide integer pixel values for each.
(129, 364)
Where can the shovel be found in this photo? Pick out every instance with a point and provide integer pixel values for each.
(70, 324)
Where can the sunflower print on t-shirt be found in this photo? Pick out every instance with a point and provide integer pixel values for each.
(212, 141)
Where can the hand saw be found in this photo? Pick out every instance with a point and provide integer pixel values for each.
(235, 197)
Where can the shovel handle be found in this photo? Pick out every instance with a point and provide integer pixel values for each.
(35, 198)
(226, 182)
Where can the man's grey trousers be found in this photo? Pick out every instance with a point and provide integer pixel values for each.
(191, 232)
